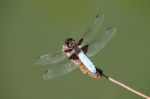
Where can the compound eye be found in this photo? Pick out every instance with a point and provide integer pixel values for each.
(68, 40)
(71, 44)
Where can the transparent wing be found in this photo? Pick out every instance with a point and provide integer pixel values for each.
(99, 43)
(50, 58)
(91, 31)
(59, 70)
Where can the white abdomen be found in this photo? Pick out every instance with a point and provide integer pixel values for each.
(87, 62)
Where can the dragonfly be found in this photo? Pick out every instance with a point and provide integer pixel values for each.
(76, 54)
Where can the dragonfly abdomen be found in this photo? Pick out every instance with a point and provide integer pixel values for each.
(87, 62)
(85, 70)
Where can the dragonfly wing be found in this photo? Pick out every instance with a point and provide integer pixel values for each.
(59, 70)
(99, 43)
(93, 28)
(50, 58)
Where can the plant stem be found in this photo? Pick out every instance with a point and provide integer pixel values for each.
(126, 87)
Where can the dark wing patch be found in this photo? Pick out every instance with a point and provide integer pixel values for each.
(80, 41)
(85, 48)
(74, 57)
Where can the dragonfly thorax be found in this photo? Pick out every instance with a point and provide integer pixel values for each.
(71, 46)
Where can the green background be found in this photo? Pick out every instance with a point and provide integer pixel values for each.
(30, 28)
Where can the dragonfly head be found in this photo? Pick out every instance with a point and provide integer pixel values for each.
(70, 42)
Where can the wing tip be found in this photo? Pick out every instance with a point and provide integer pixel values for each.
(45, 76)
(38, 63)
(99, 16)
(114, 30)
